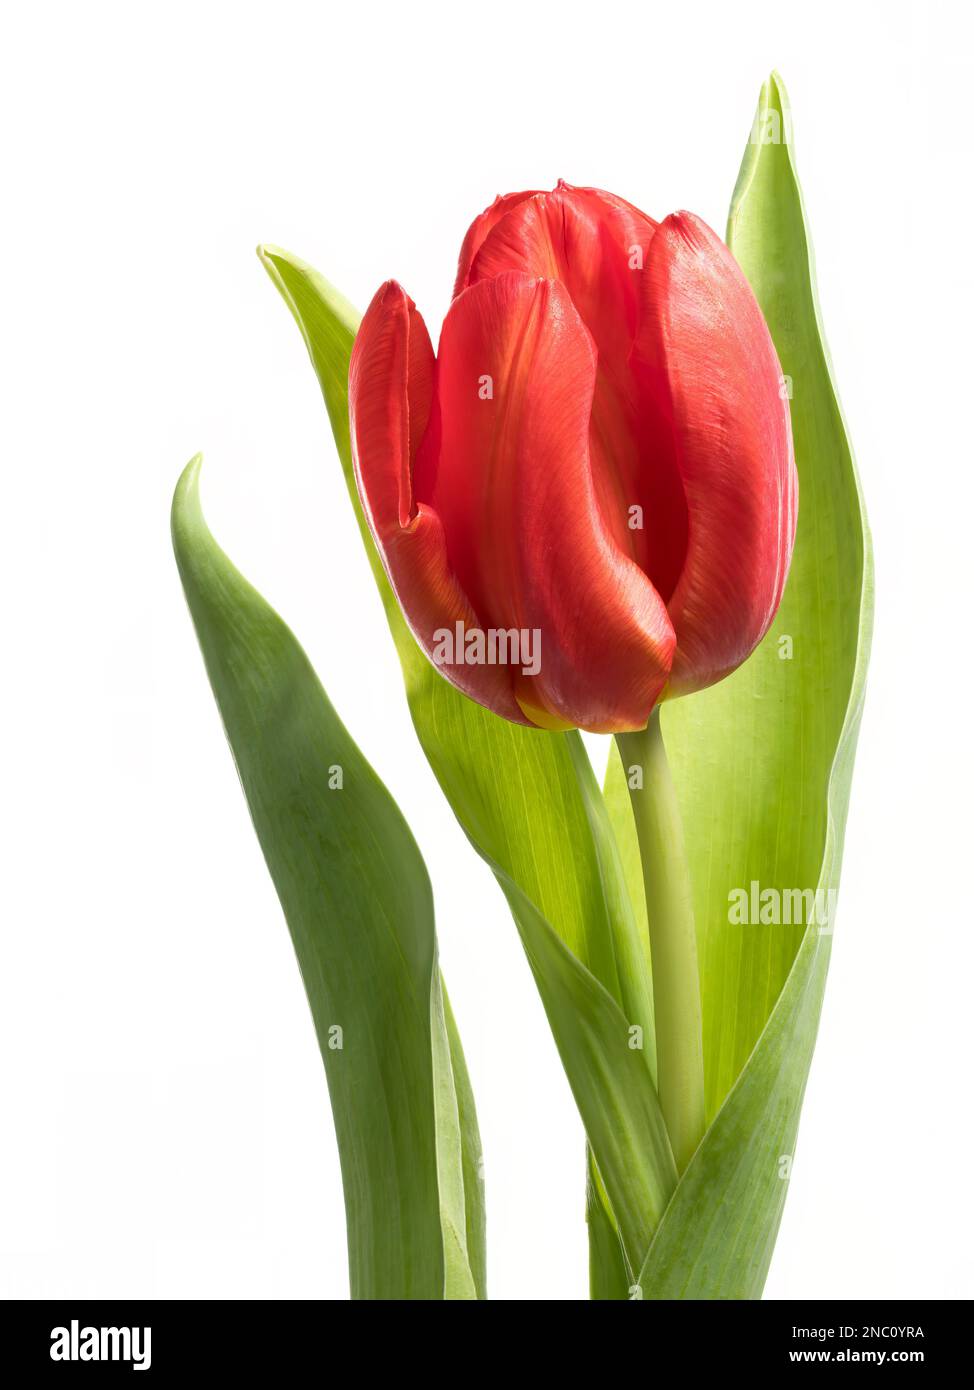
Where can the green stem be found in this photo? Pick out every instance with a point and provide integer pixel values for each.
(672, 936)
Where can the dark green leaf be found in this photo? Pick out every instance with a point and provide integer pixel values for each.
(358, 904)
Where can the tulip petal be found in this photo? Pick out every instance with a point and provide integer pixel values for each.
(390, 394)
(597, 245)
(593, 242)
(511, 479)
(480, 228)
(712, 381)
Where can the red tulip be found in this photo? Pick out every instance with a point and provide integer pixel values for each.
(600, 453)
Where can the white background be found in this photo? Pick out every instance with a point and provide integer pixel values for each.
(166, 1129)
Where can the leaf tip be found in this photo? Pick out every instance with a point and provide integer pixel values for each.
(189, 478)
(185, 500)
(770, 136)
(281, 268)
(777, 89)
(269, 255)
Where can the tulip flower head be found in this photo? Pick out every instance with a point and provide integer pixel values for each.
(586, 500)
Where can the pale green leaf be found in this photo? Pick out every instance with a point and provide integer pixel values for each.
(471, 1156)
(763, 765)
(532, 809)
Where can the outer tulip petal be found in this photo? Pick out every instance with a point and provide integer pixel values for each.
(481, 228)
(390, 394)
(712, 381)
(508, 470)
(597, 245)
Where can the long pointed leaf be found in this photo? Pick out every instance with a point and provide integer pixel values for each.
(763, 766)
(358, 904)
(532, 809)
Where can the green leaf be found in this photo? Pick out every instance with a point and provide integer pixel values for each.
(609, 1079)
(471, 1157)
(451, 1167)
(763, 765)
(532, 809)
(609, 1276)
(358, 905)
